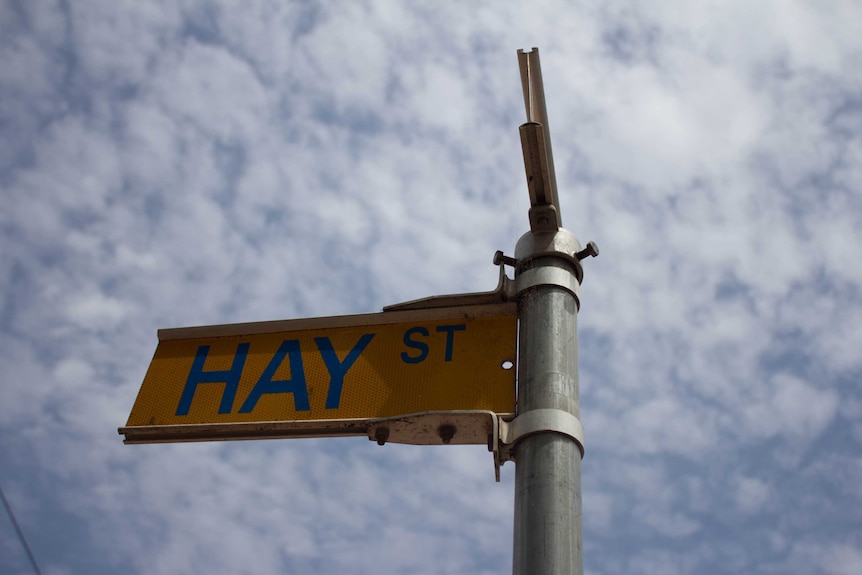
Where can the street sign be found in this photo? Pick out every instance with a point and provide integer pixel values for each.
(430, 371)
(325, 376)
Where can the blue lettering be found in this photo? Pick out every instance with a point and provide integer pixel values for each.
(420, 345)
(338, 369)
(295, 385)
(229, 377)
(450, 336)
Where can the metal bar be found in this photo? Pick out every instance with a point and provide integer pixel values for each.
(536, 164)
(526, 85)
(547, 529)
(239, 431)
(532, 86)
(538, 158)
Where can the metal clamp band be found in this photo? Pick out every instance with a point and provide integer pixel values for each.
(548, 276)
(540, 420)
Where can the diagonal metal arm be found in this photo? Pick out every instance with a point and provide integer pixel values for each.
(536, 145)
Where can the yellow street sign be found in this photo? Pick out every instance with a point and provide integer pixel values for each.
(320, 376)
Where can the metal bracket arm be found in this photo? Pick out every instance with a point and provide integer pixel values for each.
(441, 428)
(502, 293)
(498, 431)
(435, 428)
(507, 289)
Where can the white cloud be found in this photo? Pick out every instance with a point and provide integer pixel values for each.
(751, 494)
(790, 406)
(212, 89)
(96, 310)
(834, 558)
(671, 525)
(73, 369)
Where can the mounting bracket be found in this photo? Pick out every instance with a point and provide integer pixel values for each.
(532, 422)
(500, 432)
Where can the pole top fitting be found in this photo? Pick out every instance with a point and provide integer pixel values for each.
(560, 243)
(536, 146)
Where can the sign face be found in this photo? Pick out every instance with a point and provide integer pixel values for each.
(225, 382)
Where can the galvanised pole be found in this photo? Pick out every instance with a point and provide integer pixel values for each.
(547, 535)
(547, 531)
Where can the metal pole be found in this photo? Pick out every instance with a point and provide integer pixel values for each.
(547, 535)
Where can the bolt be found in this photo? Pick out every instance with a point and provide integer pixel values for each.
(500, 258)
(447, 432)
(592, 250)
(381, 434)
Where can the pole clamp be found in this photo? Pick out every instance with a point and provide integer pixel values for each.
(499, 431)
(533, 422)
(544, 276)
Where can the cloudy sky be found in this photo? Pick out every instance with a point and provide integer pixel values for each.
(176, 163)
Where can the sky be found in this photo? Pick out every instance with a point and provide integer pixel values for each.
(182, 163)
